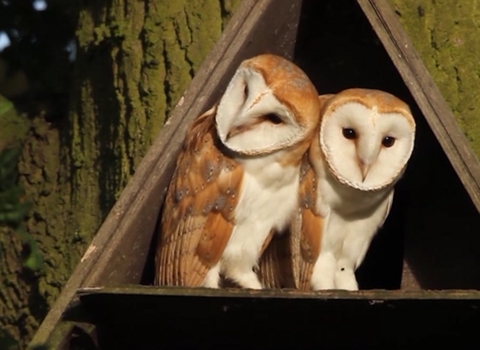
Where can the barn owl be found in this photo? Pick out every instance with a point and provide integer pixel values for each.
(236, 179)
(347, 181)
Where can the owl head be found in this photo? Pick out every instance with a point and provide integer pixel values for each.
(269, 104)
(366, 137)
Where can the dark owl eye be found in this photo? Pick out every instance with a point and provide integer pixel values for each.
(245, 90)
(349, 133)
(388, 141)
(273, 118)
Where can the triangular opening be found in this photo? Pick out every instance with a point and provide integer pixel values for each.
(432, 214)
(339, 49)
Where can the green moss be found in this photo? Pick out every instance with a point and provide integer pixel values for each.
(205, 29)
(21, 306)
(41, 172)
(228, 8)
(13, 126)
(177, 38)
(83, 36)
(445, 33)
(145, 65)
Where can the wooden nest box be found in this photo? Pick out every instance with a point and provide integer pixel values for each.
(420, 275)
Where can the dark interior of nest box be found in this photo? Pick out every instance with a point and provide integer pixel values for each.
(432, 216)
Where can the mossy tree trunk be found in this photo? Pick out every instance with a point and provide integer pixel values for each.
(134, 60)
(446, 35)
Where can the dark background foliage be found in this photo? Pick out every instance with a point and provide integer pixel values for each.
(42, 49)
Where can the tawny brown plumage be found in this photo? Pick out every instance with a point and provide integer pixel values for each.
(187, 249)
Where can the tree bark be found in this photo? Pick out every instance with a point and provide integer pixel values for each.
(445, 34)
(134, 60)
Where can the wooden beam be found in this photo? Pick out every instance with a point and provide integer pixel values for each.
(373, 294)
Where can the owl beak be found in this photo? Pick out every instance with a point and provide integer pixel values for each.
(364, 168)
(366, 158)
(235, 131)
(238, 129)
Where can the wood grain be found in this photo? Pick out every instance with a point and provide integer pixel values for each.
(373, 294)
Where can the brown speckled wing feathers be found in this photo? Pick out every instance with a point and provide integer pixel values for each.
(275, 265)
(306, 230)
(197, 217)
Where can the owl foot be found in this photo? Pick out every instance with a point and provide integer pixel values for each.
(212, 279)
(247, 280)
(345, 279)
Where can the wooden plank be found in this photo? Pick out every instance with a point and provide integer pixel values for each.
(155, 318)
(133, 217)
(376, 295)
(422, 87)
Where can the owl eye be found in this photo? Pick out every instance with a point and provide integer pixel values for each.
(273, 118)
(349, 134)
(388, 141)
(245, 91)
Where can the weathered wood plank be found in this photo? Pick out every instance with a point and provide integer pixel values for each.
(427, 95)
(378, 295)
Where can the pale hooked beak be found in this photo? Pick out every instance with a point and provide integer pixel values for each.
(365, 164)
(367, 155)
(364, 168)
(238, 129)
(235, 131)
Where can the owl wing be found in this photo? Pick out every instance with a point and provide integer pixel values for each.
(306, 229)
(275, 264)
(198, 214)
